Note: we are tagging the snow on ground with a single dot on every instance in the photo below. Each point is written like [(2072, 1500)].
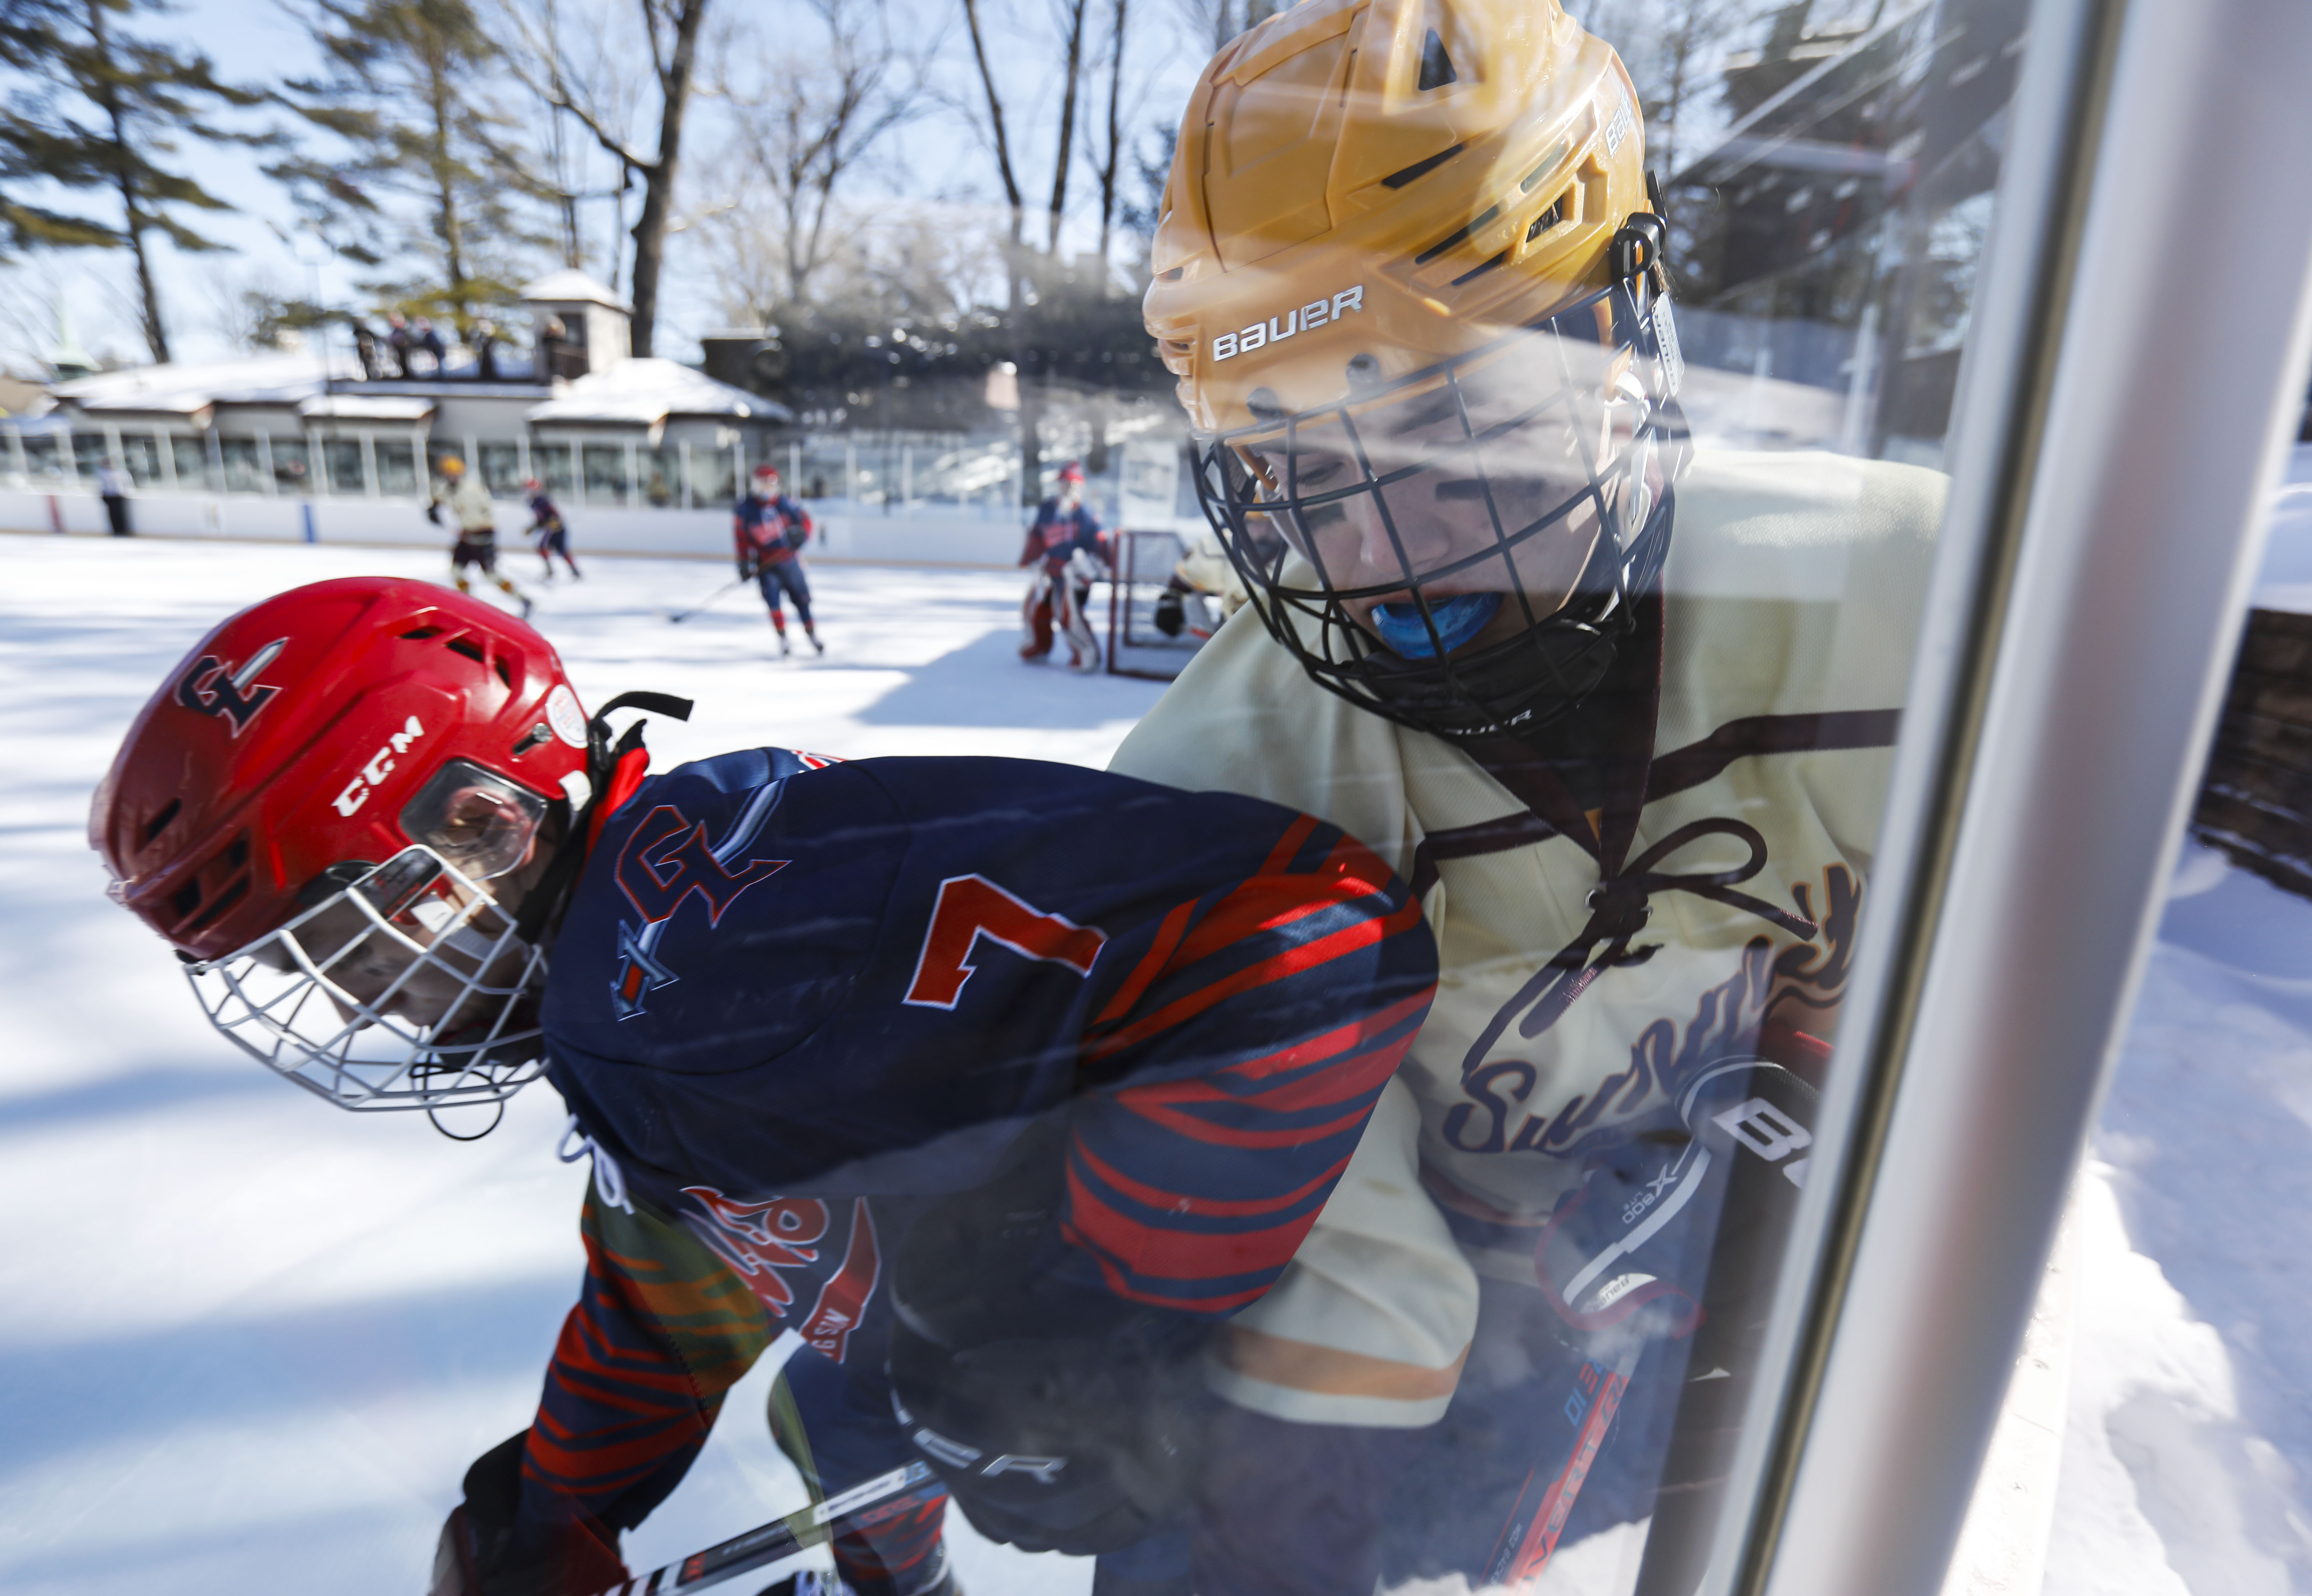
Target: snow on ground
[(250, 1343), (2189, 1448)]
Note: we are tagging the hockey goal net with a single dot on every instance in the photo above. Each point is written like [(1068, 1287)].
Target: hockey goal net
[(1153, 629)]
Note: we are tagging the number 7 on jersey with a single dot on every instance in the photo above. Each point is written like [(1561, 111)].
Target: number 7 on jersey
[(971, 906)]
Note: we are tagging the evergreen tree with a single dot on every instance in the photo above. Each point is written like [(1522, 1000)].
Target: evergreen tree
[(93, 108), (408, 86)]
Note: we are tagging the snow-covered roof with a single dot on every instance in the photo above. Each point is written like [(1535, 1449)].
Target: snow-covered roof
[(184, 387), (363, 407), (570, 285), (646, 392)]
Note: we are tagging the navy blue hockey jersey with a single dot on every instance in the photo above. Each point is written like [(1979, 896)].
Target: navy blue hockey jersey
[(788, 992)]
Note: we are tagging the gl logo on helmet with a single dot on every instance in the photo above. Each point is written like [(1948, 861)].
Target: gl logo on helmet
[(213, 687), (1316, 314)]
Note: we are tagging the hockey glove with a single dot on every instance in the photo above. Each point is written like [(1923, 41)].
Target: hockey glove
[(487, 1551), (1060, 1417), (1686, 1220)]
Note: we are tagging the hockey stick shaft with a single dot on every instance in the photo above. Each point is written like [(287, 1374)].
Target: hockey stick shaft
[(1531, 1541), (681, 616), (780, 1538)]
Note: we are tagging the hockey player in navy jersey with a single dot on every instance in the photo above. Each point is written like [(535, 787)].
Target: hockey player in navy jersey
[(998, 1084), (768, 532)]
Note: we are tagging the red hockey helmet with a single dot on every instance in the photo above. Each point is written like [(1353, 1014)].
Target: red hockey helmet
[(318, 793), (1073, 471), (766, 473)]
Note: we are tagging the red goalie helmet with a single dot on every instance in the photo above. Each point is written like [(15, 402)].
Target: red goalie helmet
[(310, 810)]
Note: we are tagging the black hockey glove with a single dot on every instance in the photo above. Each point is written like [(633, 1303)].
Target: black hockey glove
[(1171, 613), (434, 513), (486, 1551), (1061, 1418), (746, 570)]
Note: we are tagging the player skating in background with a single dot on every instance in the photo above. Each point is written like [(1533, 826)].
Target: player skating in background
[(553, 535), (467, 499), (768, 532), (1063, 548), (1624, 717), (998, 1082)]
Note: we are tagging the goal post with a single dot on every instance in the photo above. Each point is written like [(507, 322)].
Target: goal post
[(1154, 627)]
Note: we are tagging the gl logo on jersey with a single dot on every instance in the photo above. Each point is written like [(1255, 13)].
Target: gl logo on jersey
[(666, 859), (213, 687), (1314, 314)]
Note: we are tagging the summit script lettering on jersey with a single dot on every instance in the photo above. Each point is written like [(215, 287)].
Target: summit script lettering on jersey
[(1315, 313)]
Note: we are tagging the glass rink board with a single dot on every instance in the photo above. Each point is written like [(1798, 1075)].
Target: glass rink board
[(1491, 965)]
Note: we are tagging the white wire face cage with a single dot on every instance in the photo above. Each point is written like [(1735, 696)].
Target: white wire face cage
[(1380, 534), (406, 988)]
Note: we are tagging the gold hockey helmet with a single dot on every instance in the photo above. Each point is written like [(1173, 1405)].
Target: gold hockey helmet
[(1409, 237)]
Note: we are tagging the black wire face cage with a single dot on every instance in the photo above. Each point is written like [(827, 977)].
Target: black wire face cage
[(1522, 490)]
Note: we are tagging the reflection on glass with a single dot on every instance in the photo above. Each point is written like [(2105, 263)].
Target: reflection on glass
[(605, 465), (1588, 554), (90, 454)]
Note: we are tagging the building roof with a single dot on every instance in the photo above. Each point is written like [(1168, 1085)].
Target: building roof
[(570, 285), (646, 392), (368, 407), (184, 387)]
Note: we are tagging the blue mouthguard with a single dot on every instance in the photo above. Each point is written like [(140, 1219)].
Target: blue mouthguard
[(1457, 619)]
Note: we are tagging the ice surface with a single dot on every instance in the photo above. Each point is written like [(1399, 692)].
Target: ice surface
[(248, 1343)]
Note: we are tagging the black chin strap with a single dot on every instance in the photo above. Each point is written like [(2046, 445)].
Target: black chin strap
[(543, 904)]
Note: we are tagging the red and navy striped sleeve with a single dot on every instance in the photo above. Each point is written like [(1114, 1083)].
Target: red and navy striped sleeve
[(663, 1330), (1233, 1067)]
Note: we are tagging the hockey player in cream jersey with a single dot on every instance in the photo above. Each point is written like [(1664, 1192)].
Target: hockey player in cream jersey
[(1621, 711)]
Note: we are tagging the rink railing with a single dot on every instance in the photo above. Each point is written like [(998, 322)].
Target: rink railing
[(920, 534)]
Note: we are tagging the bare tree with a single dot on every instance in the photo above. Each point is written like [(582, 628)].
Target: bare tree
[(834, 104), (1108, 165), (670, 28), (1222, 20), (1072, 10)]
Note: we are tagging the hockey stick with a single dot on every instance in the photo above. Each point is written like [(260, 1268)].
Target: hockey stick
[(1545, 1503), (780, 1538), (676, 618)]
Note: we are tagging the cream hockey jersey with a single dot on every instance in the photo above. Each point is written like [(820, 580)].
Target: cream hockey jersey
[(1684, 889)]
